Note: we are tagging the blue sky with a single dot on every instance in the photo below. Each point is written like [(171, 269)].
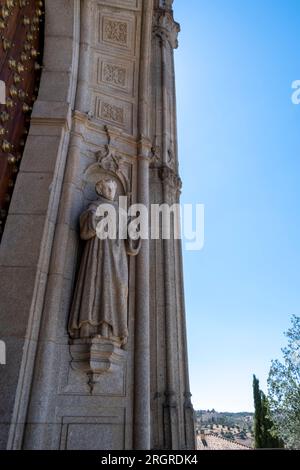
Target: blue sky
[(239, 140)]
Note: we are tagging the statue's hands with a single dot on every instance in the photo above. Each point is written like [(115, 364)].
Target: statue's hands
[(133, 246), (88, 224)]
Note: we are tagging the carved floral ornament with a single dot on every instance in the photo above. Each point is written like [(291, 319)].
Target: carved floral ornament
[(109, 163), (115, 31), (166, 28), (112, 113), (114, 74)]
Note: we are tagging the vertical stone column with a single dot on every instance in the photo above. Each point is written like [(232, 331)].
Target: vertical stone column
[(141, 432), (142, 321), (171, 406)]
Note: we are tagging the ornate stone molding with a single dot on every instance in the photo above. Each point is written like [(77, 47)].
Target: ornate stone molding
[(165, 27), (170, 178), (164, 4), (155, 161), (110, 163), (95, 357), (156, 157), (170, 399), (187, 400)]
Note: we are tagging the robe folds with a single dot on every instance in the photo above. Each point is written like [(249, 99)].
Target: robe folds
[(101, 293)]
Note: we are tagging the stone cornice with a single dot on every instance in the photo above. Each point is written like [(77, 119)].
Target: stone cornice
[(51, 113)]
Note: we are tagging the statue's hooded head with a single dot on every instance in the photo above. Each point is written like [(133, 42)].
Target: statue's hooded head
[(107, 187)]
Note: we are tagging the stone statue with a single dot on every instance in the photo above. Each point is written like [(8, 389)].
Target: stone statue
[(99, 308)]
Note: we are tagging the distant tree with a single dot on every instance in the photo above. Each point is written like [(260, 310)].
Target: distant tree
[(257, 414), (264, 432), (271, 439), (284, 389)]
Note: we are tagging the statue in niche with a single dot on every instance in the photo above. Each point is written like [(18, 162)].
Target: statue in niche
[(99, 309)]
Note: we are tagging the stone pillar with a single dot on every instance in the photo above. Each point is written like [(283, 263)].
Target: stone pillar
[(142, 320), (173, 419), (142, 423)]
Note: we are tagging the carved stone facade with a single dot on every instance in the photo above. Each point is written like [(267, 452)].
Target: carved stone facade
[(114, 74), (106, 103), (115, 31)]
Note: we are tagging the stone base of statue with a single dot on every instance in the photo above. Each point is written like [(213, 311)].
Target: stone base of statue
[(96, 356)]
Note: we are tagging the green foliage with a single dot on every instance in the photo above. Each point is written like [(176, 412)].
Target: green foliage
[(284, 389), (257, 414), (241, 419), (264, 433)]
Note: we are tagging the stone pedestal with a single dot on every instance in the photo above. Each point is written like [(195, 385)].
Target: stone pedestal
[(96, 357)]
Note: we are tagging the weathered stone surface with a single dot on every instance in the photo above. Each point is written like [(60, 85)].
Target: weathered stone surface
[(40, 154), (32, 194), (49, 88), (17, 285), (20, 245), (116, 58)]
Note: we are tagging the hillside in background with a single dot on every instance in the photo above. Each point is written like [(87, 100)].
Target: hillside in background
[(237, 427)]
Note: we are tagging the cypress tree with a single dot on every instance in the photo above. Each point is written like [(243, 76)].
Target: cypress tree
[(257, 414), (264, 437)]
